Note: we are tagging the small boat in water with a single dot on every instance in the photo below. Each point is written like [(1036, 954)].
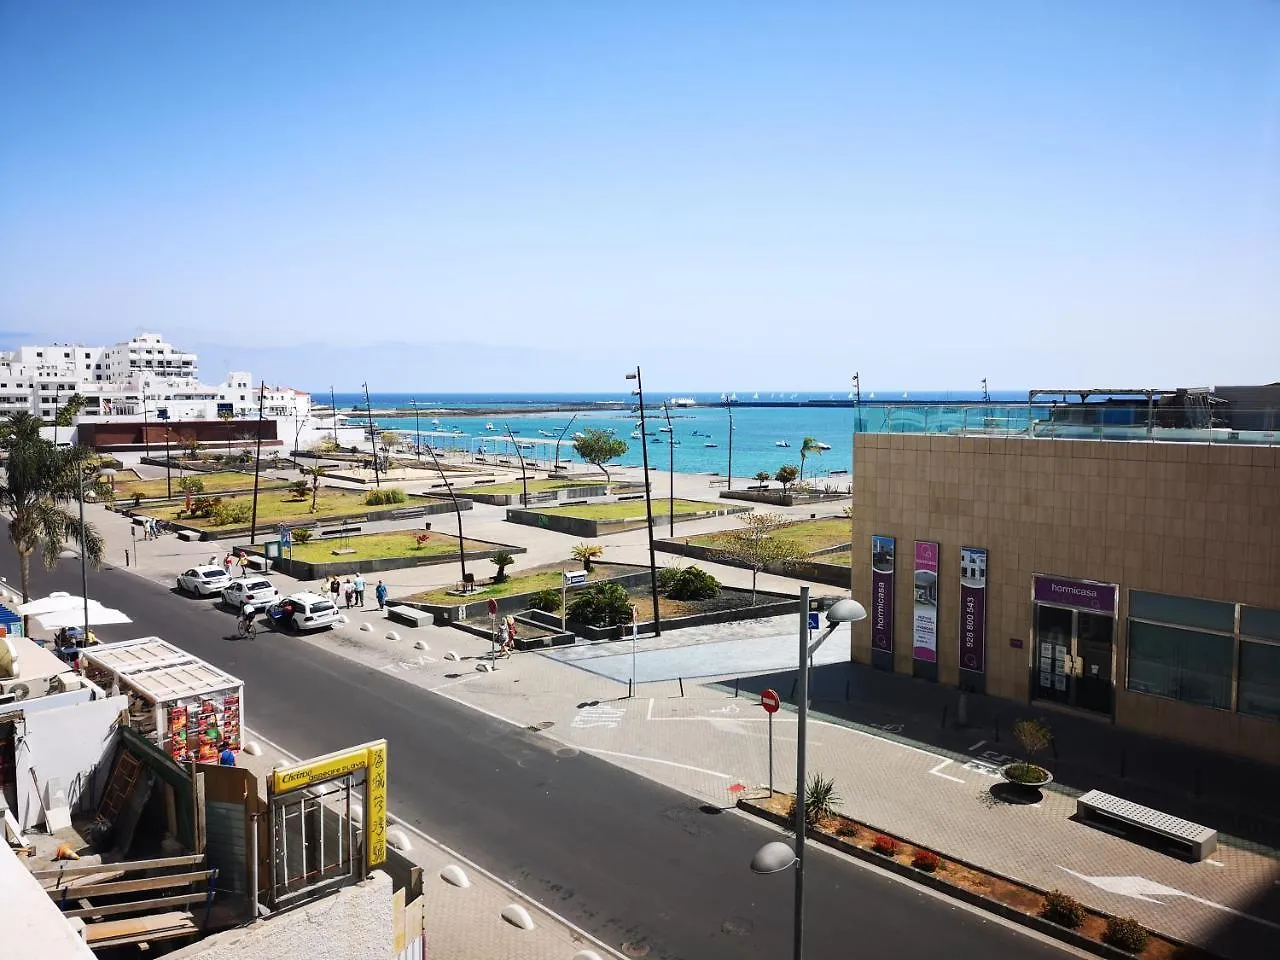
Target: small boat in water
[(488, 426), (781, 443), (664, 429), (579, 436), (711, 444), (824, 446), (635, 434)]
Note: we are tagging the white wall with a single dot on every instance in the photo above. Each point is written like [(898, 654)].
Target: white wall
[(66, 744), (31, 922)]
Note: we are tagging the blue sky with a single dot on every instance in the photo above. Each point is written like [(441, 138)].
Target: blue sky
[(522, 196)]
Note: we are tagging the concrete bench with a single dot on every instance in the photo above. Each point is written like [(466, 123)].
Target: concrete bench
[(336, 531), (634, 496), (188, 535), (1190, 838), (410, 616)]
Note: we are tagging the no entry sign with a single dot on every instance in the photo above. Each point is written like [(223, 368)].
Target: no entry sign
[(493, 606), (770, 701)]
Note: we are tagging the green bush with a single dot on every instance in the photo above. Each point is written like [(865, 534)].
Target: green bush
[(205, 506), (384, 496), (1127, 934), (601, 605), (667, 577), (548, 601), (820, 799), (693, 583), (232, 511), (1064, 910), (302, 534)]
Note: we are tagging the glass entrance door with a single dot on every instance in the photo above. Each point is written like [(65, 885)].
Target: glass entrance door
[(1073, 658), (1054, 631)]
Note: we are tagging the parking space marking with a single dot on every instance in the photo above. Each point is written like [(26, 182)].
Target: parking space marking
[(937, 772), (597, 716), (665, 763)]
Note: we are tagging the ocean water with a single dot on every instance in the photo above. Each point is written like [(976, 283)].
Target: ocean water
[(702, 433)]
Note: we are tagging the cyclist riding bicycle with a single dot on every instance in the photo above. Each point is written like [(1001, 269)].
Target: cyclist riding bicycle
[(246, 618)]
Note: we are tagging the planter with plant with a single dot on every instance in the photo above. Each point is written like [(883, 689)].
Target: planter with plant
[(926, 860), (502, 559), (548, 601), (1033, 736), (885, 846), (586, 554), (1127, 934), (601, 605), (1065, 911)]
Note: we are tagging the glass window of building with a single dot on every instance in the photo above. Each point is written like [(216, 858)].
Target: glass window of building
[(1172, 652), (1259, 679)]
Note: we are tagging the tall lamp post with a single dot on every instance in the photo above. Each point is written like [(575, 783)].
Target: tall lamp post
[(778, 856), (84, 563), (168, 466), (462, 545), (648, 503), (417, 429), (556, 465), (671, 474), (333, 406), (729, 409), (373, 437)]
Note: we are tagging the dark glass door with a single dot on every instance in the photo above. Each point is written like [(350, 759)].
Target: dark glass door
[(1053, 654), (1094, 634)]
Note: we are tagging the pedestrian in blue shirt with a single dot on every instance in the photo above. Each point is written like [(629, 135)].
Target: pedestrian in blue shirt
[(380, 591), (358, 583), (227, 757)]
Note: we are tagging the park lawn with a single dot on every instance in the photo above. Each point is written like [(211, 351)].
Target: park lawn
[(810, 534), (213, 483), (535, 486), (381, 546), (842, 559), (275, 507), (546, 577), (631, 509)]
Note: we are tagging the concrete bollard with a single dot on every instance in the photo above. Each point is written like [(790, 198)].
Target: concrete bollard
[(252, 748), (517, 916), (399, 840), (420, 645), (392, 635), (366, 628), (452, 655), (455, 876)]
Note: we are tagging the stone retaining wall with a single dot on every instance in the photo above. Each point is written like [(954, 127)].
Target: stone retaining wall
[(578, 527)]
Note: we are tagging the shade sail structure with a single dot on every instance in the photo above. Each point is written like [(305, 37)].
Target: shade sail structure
[(54, 603), (98, 616)]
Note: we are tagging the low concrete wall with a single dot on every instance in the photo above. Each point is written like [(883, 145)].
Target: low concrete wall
[(768, 604), (448, 614), (578, 527), (477, 494), (305, 570), (813, 569), (557, 639), (779, 499)]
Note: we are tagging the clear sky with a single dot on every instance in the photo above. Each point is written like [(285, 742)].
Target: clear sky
[(737, 195)]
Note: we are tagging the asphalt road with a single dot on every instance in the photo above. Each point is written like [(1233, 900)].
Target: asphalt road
[(627, 859)]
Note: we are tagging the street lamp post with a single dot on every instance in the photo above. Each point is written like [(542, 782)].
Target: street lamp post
[(462, 544), (729, 408), (556, 465), (373, 437), (777, 856), (84, 564), (671, 474), (333, 406), (417, 429), (648, 503)]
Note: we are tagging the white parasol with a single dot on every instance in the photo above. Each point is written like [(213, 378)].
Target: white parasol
[(75, 617), (55, 602)]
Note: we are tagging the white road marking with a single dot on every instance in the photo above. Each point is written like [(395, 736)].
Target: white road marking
[(1216, 863), (649, 714), (454, 683), (976, 746), (936, 771), (471, 864), (665, 763), (1140, 888)]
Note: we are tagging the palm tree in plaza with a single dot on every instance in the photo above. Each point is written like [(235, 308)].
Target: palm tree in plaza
[(40, 480), (808, 446)]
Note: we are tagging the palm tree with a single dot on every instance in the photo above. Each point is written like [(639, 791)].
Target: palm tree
[(315, 473), (808, 446), (39, 481)]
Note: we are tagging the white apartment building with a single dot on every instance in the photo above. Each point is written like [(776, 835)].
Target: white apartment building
[(143, 378)]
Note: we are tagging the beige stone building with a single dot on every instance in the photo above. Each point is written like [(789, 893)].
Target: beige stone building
[(1137, 582)]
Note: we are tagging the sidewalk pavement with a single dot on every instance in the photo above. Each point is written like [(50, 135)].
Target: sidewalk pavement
[(463, 923)]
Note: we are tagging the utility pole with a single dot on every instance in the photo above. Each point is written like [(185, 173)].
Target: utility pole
[(729, 407), (334, 407), (671, 474), (417, 430), (146, 428), (524, 478), (257, 463), (168, 466), (648, 505), (373, 436)]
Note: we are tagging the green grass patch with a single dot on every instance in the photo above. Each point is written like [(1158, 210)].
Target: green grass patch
[(213, 483), (535, 486), (546, 577), (275, 506), (381, 546), (842, 559), (630, 510), (810, 534)]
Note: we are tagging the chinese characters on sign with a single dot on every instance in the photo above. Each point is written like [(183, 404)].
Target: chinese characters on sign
[(376, 796), (882, 556), (973, 609)]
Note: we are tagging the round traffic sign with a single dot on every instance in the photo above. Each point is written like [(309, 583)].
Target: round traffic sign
[(770, 700), (493, 606)]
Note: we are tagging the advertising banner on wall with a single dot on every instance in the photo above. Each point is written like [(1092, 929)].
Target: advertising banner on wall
[(924, 628), (973, 609), (882, 557), (1080, 594)]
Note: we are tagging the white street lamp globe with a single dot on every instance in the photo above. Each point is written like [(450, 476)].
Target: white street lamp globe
[(845, 610), (773, 857)]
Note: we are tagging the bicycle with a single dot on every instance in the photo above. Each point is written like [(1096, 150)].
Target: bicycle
[(246, 628)]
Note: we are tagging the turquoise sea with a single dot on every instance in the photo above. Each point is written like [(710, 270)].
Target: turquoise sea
[(702, 433)]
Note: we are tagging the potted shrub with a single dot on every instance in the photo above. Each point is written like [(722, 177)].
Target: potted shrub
[(926, 860), (885, 846), (1064, 910), (1033, 736)]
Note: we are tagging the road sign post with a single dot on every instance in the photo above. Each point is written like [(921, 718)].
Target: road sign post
[(771, 702), (635, 633)]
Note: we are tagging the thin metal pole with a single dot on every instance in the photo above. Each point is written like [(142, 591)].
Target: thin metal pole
[(635, 633), (257, 464), (373, 437), (168, 467), (146, 445), (334, 407), (84, 565), (771, 754), (253, 864), (417, 429), (556, 465), (648, 509), (671, 474), (730, 410), (524, 476), (462, 546), (802, 708)]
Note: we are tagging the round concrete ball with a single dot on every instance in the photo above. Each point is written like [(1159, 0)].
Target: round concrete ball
[(517, 916), (398, 839), (456, 876), (392, 635), (420, 645), (366, 627), (252, 748)]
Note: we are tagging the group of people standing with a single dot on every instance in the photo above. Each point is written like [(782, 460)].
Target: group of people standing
[(352, 591)]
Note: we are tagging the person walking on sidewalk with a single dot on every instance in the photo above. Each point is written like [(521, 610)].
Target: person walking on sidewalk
[(348, 592), (334, 588), (227, 561), (358, 583), (380, 591)]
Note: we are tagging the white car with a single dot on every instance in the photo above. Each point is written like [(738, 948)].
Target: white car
[(255, 590), (303, 611), (203, 581)]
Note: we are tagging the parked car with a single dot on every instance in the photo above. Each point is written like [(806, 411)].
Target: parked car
[(203, 581), (255, 590), (303, 611)]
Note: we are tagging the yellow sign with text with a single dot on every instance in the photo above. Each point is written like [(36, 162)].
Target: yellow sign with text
[(375, 797), (329, 767)]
